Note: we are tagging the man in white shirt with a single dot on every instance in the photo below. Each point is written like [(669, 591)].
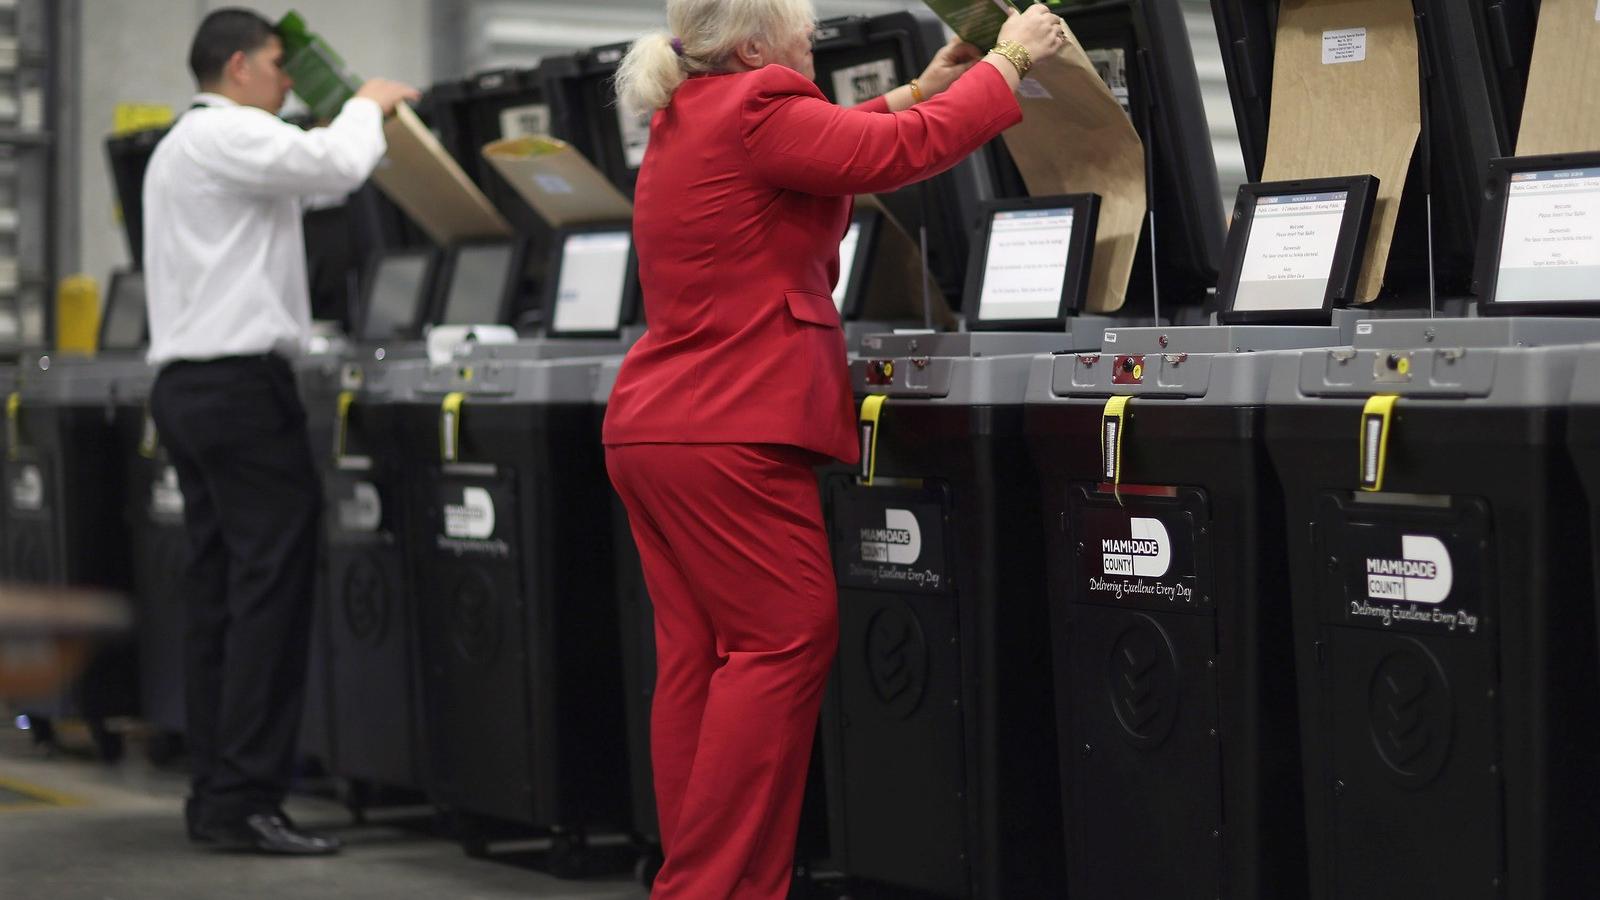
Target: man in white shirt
[(228, 301)]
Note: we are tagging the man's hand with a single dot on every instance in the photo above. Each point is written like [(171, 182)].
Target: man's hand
[(952, 60), (388, 94)]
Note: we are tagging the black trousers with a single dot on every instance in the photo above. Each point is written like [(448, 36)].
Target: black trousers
[(236, 432)]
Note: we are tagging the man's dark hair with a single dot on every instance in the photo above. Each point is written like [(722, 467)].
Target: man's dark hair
[(222, 34)]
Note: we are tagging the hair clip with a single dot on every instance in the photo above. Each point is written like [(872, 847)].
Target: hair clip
[(677, 46)]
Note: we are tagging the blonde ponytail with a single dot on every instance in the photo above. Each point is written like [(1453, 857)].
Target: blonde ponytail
[(649, 73), (704, 35)]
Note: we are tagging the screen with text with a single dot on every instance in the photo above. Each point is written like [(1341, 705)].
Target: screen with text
[(1550, 248), (594, 277), (394, 298), (1288, 255), (847, 264), (477, 285), (1025, 269)]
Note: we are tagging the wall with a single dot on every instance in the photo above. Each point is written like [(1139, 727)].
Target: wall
[(136, 51)]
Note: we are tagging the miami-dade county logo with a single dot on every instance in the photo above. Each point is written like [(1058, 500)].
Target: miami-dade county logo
[(362, 510), (898, 542), (27, 489), (473, 518), (1145, 553), (1422, 574), (166, 498)]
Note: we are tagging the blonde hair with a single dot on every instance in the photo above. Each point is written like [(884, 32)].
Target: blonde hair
[(709, 32)]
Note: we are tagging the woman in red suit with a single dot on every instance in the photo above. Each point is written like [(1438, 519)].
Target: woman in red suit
[(741, 386)]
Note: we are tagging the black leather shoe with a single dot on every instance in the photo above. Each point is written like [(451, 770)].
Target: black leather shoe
[(269, 833)]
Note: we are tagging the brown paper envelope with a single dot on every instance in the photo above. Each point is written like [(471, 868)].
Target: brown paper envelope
[(1561, 113), (1074, 138), (424, 181), (894, 284), (1347, 118), (561, 185)]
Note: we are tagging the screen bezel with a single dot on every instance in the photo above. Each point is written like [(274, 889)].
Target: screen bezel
[(1361, 194), (118, 278), (420, 304), (1491, 235), (552, 282), (1080, 257), (855, 290), (509, 285)]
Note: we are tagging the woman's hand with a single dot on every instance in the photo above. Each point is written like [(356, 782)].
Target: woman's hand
[(952, 60), (1040, 31)]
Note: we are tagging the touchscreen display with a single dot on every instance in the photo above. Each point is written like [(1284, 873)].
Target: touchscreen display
[(395, 296), (125, 313), (1025, 268), (593, 280), (1288, 255), (477, 284), (1550, 246)]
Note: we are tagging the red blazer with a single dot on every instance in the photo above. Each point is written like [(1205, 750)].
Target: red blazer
[(743, 197)]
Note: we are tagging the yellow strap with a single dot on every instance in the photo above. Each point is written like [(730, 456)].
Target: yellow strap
[(341, 429), (149, 439), (871, 409), (1375, 421), (1112, 426), (13, 432), (450, 426)]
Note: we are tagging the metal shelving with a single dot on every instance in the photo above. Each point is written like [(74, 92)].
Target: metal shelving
[(28, 154)]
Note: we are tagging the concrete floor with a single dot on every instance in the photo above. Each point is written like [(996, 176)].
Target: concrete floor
[(116, 833)]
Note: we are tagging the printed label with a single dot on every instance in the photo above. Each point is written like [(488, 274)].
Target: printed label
[(1399, 579), (1345, 45), (525, 121), (1137, 557), (362, 509), (890, 539), (553, 184), (27, 489), (166, 499), (469, 524), (472, 518), (854, 85), (635, 130)]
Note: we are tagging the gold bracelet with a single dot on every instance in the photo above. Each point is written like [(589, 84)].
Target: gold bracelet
[(916, 92), (1017, 55)]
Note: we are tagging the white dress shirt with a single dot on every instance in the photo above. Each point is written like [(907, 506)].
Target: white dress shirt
[(224, 252)]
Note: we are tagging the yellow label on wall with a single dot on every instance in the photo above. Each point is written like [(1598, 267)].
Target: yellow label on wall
[(131, 117), (78, 314)]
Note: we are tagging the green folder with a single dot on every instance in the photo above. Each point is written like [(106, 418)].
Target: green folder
[(321, 77)]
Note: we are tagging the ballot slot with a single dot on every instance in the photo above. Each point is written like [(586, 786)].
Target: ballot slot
[(855, 263), (479, 282), (592, 287), (1030, 262), (1295, 248), (396, 299), (1541, 236), (123, 325)]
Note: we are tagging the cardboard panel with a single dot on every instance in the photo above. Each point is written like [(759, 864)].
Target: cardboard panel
[(421, 177), (1345, 102), (1562, 111), (561, 185)]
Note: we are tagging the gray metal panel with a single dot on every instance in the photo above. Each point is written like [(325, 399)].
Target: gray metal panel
[(1511, 331), (76, 382), (1218, 339), (981, 381), (1586, 380), (1495, 377)]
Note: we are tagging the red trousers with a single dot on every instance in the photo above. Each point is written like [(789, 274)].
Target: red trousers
[(737, 563)]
